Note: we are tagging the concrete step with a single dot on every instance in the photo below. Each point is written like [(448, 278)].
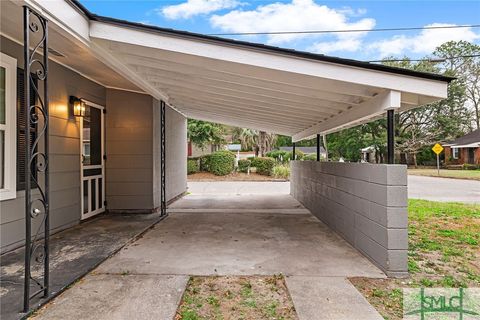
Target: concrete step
[(329, 298)]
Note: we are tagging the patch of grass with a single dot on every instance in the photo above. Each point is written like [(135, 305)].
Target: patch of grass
[(443, 251), (456, 174), (247, 298)]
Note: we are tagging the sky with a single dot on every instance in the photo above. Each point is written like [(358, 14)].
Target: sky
[(233, 16)]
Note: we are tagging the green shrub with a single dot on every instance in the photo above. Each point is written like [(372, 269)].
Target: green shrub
[(205, 162), (298, 154), (222, 162), (254, 161), (310, 157), (264, 165), (244, 164), (280, 156), (281, 171), (192, 165)]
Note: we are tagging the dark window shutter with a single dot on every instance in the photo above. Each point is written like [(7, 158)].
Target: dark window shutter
[(21, 125)]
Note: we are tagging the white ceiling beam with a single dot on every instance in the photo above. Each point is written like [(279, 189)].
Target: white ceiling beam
[(250, 92), (266, 59), (271, 89), (226, 107), (285, 80), (206, 95), (374, 107), (320, 106), (253, 115)]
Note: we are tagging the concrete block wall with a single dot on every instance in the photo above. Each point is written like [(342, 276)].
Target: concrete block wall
[(364, 203)]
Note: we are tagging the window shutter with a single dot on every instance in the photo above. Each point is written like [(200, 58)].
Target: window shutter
[(21, 125)]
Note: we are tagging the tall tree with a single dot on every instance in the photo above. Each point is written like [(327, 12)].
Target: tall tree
[(201, 133), (462, 60)]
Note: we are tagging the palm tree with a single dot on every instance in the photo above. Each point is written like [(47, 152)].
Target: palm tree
[(259, 141)]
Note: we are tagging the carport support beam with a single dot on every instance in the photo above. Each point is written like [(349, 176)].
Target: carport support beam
[(318, 147), (391, 136), (293, 151)]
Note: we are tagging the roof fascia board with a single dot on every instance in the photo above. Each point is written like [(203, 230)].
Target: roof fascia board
[(65, 17), (382, 102), (270, 60)]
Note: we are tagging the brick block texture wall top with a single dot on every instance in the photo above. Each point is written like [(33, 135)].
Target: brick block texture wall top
[(366, 204)]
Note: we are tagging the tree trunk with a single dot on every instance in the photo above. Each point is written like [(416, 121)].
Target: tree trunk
[(324, 138), (415, 160), (262, 143)]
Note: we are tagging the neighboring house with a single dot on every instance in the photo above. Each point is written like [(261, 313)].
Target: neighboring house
[(307, 150), (196, 151), (465, 149)]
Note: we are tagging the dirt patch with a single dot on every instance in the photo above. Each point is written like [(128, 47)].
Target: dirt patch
[(231, 297), (236, 176)]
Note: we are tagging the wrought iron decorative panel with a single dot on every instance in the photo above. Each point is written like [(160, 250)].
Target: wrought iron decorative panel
[(35, 28), (163, 207)]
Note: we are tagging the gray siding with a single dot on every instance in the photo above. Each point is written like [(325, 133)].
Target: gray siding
[(133, 152), (129, 148), (365, 203), (64, 153)]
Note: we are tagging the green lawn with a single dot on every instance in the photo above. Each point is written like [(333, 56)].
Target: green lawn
[(443, 251), (457, 174)]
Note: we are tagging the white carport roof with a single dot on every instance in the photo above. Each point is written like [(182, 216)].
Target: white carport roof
[(249, 85)]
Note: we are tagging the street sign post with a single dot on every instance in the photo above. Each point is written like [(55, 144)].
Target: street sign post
[(437, 148)]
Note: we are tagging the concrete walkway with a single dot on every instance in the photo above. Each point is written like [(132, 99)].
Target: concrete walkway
[(146, 279), (443, 189)]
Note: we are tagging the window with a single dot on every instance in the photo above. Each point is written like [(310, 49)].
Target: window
[(455, 153), (8, 93)]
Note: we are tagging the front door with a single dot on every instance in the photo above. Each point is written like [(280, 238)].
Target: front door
[(92, 162)]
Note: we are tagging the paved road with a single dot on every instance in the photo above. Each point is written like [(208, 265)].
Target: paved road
[(443, 189), (238, 187), (428, 188)]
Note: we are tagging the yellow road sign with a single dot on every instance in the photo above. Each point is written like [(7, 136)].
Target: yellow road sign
[(437, 148)]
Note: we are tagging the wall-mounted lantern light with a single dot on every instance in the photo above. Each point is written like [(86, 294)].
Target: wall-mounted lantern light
[(78, 106)]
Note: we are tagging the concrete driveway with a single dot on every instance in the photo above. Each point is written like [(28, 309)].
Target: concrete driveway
[(443, 189), (246, 235)]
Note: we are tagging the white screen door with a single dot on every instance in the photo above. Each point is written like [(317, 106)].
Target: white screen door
[(92, 162)]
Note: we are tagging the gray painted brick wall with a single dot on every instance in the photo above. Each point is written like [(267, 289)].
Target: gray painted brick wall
[(365, 203)]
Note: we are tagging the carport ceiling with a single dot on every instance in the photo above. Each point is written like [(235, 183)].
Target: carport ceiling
[(249, 85)]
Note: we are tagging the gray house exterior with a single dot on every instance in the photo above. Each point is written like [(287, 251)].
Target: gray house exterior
[(109, 80), (131, 149)]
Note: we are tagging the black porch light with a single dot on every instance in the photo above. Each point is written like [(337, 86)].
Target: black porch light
[(78, 106)]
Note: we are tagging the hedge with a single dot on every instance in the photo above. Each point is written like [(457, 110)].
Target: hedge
[(205, 162), (278, 155), (222, 162), (244, 164), (310, 157), (298, 154), (264, 165), (192, 165)]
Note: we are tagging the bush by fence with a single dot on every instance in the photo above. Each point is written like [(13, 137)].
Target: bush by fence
[(221, 163), (281, 171), (243, 165), (192, 165), (264, 165)]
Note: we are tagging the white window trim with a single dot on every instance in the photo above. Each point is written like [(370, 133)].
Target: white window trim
[(454, 153), (10, 188)]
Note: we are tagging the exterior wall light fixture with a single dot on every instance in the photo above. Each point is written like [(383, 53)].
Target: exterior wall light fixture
[(78, 106)]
